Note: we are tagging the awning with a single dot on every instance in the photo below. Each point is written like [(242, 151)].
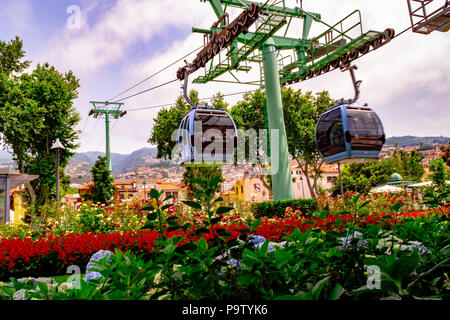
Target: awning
[(424, 184), (387, 189), (15, 179)]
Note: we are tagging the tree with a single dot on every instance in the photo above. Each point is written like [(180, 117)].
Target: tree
[(11, 54), (438, 172), (362, 177), (301, 113), (37, 109), (446, 153), (103, 189), (169, 120)]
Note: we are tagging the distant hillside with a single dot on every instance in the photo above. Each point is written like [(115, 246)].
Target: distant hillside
[(404, 141), (123, 162)]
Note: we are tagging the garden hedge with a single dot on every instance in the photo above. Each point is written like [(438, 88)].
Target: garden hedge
[(277, 208)]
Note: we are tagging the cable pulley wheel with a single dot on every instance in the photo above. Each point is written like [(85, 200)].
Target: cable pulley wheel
[(243, 20), (235, 29), (345, 59), (227, 36), (388, 33), (353, 54), (326, 68), (375, 43), (364, 49), (252, 10), (335, 63)]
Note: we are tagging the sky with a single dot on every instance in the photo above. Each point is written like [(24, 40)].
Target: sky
[(111, 45)]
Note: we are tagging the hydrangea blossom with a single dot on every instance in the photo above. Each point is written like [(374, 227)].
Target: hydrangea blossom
[(94, 275), (346, 241), (415, 244), (256, 239)]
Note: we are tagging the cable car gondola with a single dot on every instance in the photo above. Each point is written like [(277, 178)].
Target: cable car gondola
[(349, 132), (198, 132)]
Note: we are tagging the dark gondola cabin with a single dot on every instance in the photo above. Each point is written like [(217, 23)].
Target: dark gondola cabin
[(206, 137), (349, 133)]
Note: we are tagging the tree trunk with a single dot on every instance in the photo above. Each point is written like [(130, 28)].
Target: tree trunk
[(266, 185), (304, 169)]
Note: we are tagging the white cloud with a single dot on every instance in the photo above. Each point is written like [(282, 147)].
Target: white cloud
[(16, 15)]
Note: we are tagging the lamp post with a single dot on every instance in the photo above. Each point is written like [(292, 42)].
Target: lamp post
[(57, 146), (145, 194)]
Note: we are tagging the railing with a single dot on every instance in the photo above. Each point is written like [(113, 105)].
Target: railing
[(421, 13)]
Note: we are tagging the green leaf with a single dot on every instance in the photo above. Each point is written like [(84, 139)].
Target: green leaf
[(220, 199), (214, 181), (166, 206), (197, 181), (167, 198), (155, 194), (215, 220), (317, 289), (222, 210), (202, 244), (193, 204), (152, 216), (396, 207), (336, 293)]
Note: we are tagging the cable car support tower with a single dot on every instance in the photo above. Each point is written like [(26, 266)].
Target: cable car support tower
[(259, 35), (107, 109)]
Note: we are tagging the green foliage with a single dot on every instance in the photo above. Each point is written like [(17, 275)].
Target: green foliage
[(11, 54), (205, 199), (191, 173), (37, 108), (446, 153), (103, 189), (362, 177), (439, 173), (157, 215), (311, 264), (277, 208)]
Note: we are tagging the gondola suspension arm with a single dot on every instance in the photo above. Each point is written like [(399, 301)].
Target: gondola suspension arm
[(356, 84), (185, 93)]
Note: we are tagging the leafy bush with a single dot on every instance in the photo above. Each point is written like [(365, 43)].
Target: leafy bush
[(277, 208)]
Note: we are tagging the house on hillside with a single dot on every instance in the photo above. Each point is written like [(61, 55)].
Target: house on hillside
[(251, 189), (301, 190), (176, 190), (124, 191)]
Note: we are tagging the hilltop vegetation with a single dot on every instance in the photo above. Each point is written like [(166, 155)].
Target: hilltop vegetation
[(404, 141)]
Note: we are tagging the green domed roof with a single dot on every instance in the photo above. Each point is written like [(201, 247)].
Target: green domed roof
[(395, 177)]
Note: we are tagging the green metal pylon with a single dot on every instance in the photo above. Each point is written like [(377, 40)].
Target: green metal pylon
[(281, 178), (107, 108)]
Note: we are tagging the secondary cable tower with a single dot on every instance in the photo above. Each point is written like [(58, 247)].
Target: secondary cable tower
[(107, 109)]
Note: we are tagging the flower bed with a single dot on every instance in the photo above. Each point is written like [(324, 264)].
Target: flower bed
[(51, 254)]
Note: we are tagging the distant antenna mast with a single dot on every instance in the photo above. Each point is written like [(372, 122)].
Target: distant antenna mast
[(107, 109)]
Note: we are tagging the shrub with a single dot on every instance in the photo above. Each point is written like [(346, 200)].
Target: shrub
[(277, 208)]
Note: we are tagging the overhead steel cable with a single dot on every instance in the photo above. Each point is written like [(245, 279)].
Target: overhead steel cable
[(171, 104), (156, 73), (149, 89)]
